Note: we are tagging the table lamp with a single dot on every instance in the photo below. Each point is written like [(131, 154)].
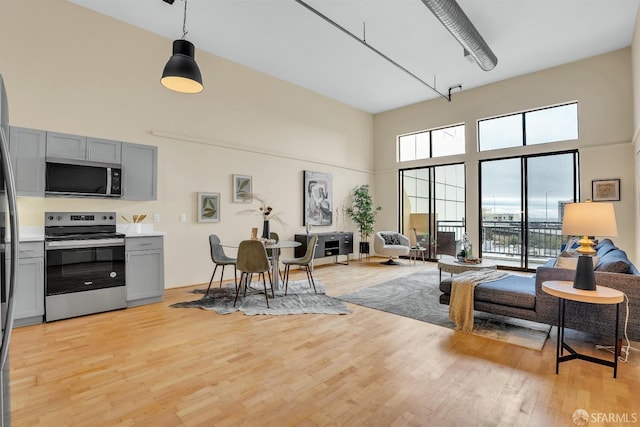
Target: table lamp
[(588, 219)]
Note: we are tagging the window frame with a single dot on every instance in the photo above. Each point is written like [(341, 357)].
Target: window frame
[(523, 121), (430, 136)]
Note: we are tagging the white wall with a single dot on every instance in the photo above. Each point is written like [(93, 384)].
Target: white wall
[(71, 70), (602, 86), (635, 69)]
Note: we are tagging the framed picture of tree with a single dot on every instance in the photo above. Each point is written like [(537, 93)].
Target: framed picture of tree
[(242, 189), (208, 207)]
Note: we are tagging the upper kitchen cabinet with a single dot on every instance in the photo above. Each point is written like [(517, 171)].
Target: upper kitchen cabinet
[(104, 150), (77, 147), (27, 149), (139, 172)]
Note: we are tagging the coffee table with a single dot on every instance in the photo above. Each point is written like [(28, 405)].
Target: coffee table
[(453, 266)]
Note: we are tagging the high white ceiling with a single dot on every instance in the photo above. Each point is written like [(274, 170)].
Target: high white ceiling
[(285, 40)]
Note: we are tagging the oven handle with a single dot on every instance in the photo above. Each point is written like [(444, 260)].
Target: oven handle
[(89, 243)]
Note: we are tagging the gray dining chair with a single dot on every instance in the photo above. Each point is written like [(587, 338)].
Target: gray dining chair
[(252, 259), (219, 258), (304, 262), (276, 237)]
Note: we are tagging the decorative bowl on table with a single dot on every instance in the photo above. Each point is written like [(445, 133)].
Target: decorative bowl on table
[(473, 260)]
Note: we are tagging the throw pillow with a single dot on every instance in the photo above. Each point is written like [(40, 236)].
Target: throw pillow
[(615, 261), (390, 239), (571, 263)]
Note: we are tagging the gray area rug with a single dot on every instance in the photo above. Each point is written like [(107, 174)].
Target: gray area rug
[(417, 296), (300, 299)]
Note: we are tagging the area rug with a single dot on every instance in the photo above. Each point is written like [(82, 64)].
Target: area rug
[(300, 299), (417, 296)]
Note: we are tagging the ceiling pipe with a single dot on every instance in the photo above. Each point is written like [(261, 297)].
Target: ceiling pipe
[(364, 42), (451, 15)]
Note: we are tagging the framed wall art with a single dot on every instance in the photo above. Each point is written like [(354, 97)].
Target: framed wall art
[(242, 189), (318, 194), (208, 207), (605, 190)]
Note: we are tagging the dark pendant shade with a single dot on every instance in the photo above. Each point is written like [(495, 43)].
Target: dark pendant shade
[(181, 74)]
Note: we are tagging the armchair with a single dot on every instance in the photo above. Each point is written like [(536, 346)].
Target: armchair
[(391, 244)]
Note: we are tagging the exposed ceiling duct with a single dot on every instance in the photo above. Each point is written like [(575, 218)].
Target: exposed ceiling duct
[(456, 21)]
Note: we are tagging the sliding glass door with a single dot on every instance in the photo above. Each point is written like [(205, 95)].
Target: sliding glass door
[(522, 201), (432, 207)]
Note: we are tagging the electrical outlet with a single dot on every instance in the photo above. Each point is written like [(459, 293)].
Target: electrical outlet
[(156, 217), (183, 218)]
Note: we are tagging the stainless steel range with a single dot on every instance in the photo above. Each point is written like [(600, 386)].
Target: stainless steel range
[(85, 264)]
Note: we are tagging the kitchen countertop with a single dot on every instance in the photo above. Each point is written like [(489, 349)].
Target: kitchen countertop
[(146, 234), (139, 230), (31, 233)]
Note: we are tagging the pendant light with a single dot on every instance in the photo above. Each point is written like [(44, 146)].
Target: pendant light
[(181, 74)]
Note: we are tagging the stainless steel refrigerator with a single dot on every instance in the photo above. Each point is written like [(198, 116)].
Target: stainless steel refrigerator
[(8, 254)]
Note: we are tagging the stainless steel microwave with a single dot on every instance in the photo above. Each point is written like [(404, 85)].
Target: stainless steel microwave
[(66, 179)]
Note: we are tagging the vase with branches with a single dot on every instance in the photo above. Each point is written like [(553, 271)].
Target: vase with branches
[(265, 211), (363, 213)]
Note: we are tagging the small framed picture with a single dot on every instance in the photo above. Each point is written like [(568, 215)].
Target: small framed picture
[(208, 207), (242, 189), (605, 190)]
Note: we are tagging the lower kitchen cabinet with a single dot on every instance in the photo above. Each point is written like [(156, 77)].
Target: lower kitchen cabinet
[(29, 292), (144, 270)]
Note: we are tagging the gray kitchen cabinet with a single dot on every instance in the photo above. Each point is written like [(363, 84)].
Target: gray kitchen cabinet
[(29, 292), (139, 172), (77, 147), (144, 270), (27, 149), (66, 146), (104, 150)]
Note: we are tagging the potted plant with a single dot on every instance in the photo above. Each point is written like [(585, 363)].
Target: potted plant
[(363, 214)]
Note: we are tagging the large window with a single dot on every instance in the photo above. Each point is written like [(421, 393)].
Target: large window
[(433, 206), (551, 124), (441, 142), (522, 202)]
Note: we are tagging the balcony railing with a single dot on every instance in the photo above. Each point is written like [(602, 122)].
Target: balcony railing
[(504, 240)]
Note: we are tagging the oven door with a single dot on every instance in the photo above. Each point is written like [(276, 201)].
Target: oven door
[(84, 265)]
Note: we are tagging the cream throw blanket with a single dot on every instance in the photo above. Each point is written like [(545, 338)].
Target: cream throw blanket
[(462, 290)]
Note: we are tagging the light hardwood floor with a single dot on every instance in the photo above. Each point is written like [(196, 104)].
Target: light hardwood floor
[(160, 366)]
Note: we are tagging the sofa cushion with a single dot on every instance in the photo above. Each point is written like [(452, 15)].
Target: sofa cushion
[(511, 290)]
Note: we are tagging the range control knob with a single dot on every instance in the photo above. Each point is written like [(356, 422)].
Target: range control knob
[(111, 217), (104, 217), (50, 217), (59, 217)]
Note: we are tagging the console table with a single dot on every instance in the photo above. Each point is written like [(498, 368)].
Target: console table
[(329, 244)]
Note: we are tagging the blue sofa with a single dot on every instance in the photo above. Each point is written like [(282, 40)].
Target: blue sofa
[(523, 297)]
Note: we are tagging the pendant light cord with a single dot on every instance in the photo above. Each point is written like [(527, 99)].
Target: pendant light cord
[(184, 21)]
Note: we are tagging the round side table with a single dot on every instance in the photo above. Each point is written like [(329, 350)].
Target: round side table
[(565, 291)]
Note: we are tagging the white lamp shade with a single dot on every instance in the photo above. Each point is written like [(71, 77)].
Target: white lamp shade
[(589, 219)]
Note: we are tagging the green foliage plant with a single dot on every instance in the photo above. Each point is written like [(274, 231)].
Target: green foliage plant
[(362, 211)]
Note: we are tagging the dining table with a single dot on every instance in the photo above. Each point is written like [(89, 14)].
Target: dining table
[(275, 248)]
